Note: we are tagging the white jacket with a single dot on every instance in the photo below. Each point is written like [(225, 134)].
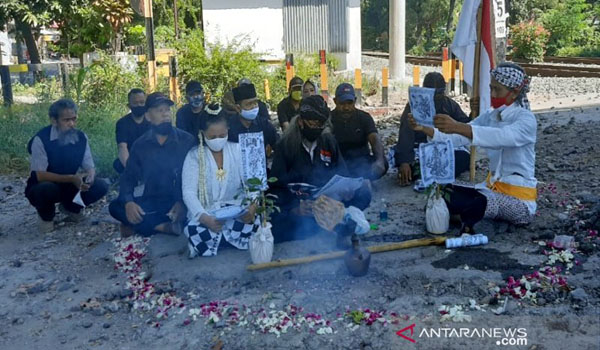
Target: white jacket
[(508, 135)]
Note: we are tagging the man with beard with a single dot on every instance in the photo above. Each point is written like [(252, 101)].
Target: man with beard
[(191, 116), (130, 127), (356, 133), (150, 198), (247, 119), (308, 154), (62, 168)]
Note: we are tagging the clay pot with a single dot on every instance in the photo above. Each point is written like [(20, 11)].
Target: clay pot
[(357, 259)]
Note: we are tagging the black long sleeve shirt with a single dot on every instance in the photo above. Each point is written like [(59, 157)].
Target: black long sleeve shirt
[(157, 167)]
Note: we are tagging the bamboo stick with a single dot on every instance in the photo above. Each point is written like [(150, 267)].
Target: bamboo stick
[(334, 255), (476, 96)]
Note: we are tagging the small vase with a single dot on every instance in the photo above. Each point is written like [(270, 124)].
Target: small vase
[(357, 259)]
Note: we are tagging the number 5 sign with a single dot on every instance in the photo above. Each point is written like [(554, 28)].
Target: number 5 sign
[(500, 14)]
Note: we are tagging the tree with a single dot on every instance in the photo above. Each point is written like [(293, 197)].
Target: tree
[(117, 13), (568, 25)]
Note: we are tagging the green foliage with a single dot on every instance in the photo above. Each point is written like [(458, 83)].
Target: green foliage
[(221, 65), (529, 41), (164, 37), (529, 10), (581, 51), (135, 35), (356, 316), (568, 25), (107, 82), (265, 203)]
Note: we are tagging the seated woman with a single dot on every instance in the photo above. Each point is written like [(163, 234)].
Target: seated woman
[(508, 134), (212, 179), (309, 88)]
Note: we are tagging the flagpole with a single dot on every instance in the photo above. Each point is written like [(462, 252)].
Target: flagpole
[(475, 95)]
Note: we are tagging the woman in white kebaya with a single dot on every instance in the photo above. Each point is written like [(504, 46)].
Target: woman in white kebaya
[(212, 179), (508, 134)]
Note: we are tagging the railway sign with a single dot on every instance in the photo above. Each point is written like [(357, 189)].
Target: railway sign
[(500, 15)]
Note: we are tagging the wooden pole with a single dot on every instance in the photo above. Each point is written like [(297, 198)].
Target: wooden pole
[(150, 56), (334, 255), (385, 74), (476, 95), (358, 85), (324, 77), (416, 76)]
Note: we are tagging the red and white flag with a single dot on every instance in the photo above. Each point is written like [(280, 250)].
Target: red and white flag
[(465, 43)]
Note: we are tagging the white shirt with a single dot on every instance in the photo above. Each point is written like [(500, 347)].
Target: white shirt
[(508, 135), (311, 149), (218, 192)]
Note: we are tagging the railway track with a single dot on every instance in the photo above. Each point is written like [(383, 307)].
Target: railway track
[(566, 67)]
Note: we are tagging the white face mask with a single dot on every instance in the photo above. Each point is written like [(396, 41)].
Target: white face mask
[(216, 145), (249, 114)]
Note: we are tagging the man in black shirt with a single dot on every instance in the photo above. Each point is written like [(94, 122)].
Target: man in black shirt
[(263, 109), (408, 139), (130, 127), (246, 120), (150, 198), (355, 131), (288, 107), (191, 116), (310, 155)]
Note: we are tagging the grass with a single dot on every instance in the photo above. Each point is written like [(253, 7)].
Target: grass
[(22, 121)]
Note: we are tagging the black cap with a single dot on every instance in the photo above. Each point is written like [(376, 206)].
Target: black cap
[(156, 99), (296, 81), (244, 92), (314, 108), (193, 86)]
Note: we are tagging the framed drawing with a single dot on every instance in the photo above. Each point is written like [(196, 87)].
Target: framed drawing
[(254, 161), (422, 106), (437, 162)]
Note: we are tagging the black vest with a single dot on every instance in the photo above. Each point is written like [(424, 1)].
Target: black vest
[(62, 159)]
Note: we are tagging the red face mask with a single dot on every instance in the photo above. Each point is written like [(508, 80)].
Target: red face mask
[(498, 102)]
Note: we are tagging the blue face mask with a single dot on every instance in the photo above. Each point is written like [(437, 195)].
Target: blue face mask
[(249, 114)]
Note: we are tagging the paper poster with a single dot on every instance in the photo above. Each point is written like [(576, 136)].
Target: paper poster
[(254, 161), (437, 162), (421, 104)]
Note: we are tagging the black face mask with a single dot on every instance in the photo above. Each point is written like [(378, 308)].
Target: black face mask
[(138, 111), (311, 134), (163, 128)]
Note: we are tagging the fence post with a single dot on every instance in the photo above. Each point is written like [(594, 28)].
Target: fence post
[(6, 85), (324, 85), (267, 90), (385, 74), (445, 67), (453, 73), (289, 69), (64, 74), (358, 85), (461, 74), (173, 85), (416, 76)]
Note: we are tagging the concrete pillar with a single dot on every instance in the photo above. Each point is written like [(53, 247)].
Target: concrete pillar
[(397, 16)]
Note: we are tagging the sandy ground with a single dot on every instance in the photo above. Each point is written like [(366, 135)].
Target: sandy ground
[(62, 291)]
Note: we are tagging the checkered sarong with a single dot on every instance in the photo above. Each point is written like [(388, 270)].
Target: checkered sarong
[(204, 242)]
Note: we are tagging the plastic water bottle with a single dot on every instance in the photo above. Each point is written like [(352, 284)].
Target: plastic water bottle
[(466, 240), (383, 214)]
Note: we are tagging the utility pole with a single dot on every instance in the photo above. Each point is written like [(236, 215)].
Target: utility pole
[(397, 14), (150, 56), (176, 19)]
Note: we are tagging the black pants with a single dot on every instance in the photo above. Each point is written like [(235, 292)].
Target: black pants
[(118, 166), (466, 202), (156, 213), (44, 195)]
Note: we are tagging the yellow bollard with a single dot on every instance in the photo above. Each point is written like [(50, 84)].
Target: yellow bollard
[(268, 89), (385, 74), (358, 85), (416, 76)]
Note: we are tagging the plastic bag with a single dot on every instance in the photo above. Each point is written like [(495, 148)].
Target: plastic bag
[(78, 200), (261, 245), (437, 216), (362, 225)]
